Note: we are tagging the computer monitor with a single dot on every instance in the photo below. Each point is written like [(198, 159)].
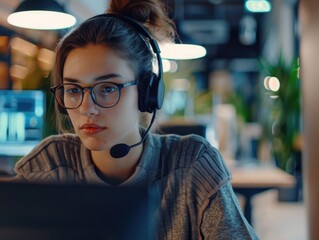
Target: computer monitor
[(60, 212), (182, 128), (21, 120)]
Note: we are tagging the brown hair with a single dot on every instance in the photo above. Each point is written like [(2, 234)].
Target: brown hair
[(119, 35)]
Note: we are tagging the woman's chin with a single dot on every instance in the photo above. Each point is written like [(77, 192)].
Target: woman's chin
[(94, 145), (95, 148)]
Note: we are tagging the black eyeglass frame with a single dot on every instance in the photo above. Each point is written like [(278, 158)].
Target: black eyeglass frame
[(90, 88)]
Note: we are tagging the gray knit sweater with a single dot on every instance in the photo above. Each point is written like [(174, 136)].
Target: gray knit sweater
[(197, 200)]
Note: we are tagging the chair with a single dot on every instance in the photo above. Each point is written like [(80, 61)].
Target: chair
[(182, 128)]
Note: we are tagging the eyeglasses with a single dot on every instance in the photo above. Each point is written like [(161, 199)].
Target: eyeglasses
[(103, 94)]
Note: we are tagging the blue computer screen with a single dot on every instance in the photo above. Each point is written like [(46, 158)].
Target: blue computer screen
[(21, 120)]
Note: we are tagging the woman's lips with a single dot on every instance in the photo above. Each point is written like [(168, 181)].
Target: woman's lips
[(91, 128)]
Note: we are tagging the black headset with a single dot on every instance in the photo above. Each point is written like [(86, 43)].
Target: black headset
[(151, 93)]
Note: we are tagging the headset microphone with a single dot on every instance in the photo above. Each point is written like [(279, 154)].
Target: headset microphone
[(121, 150)]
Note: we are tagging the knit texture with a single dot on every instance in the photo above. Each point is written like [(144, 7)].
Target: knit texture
[(196, 197)]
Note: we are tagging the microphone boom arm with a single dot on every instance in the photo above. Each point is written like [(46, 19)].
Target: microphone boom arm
[(147, 130)]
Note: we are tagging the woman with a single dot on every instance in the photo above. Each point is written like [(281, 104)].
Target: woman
[(102, 77)]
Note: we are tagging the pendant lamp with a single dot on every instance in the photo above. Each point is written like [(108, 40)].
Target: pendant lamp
[(41, 15), (178, 51)]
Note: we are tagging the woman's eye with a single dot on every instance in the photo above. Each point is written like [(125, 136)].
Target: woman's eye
[(108, 89), (73, 90)]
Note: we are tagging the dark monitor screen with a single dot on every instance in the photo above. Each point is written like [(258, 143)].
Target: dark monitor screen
[(38, 211), (21, 120)]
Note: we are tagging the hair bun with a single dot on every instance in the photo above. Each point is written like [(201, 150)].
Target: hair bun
[(151, 13), (138, 10)]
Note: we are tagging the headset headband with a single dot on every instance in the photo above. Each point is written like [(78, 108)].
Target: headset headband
[(151, 96), (141, 29)]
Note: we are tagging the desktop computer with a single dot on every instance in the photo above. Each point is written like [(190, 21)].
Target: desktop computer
[(83, 212), (21, 120)]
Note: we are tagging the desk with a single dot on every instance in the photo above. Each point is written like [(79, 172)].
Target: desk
[(251, 178)]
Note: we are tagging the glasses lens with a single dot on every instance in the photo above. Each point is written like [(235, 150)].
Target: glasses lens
[(106, 94), (69, 95)]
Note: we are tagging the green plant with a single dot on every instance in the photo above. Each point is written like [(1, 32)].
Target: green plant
[(283, 122)]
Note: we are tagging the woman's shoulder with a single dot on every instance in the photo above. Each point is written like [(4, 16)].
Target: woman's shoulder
[(50, 153), (192, 151), (192, 144), (56, 143), (195, 160)]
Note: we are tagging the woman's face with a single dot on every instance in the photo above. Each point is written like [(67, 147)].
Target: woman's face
[(101, 128)]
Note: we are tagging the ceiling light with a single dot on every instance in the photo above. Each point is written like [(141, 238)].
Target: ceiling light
[(258, 5), (181, 51), (41, 15)]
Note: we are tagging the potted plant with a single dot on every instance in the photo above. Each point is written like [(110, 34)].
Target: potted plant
[(283, 121)]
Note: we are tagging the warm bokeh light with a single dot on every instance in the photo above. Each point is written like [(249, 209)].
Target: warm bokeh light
[(45, 58), (266, 81), (169, 66), (272, 83), (166, 65), (24, 46), (17, 71), (180, 84), (174, 66)]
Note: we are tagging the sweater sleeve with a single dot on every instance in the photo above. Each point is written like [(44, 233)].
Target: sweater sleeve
[(55, 159), (214, 202), (223, 217)]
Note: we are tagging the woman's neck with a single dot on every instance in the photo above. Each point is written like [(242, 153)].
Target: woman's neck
[(116, 170)]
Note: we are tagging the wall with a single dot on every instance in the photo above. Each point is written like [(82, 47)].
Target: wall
[(309, 50)]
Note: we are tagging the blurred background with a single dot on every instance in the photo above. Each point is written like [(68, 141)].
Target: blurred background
[(243, 94)]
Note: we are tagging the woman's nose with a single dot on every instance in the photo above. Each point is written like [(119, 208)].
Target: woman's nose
[(88, 107)]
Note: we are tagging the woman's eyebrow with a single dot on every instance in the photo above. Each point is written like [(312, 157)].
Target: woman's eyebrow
[(108, 76), (99, 78), (72, 80)]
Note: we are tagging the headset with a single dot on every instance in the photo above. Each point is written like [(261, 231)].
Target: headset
[(155, 89), (151, 93), (153, 97)]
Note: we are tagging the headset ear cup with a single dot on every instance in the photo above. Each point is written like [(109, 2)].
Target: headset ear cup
[(151, 86), (156, 96), (151, 93), (160, 93), (144, 92)]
